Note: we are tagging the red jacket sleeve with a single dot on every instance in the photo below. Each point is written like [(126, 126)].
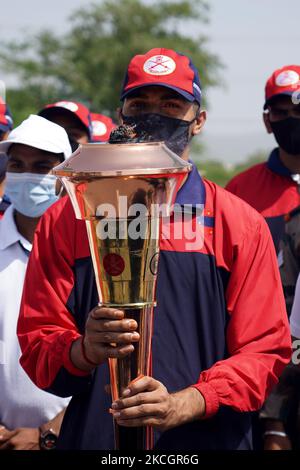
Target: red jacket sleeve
[(232, 186), (46, 344), (239, 185), (258, 337)]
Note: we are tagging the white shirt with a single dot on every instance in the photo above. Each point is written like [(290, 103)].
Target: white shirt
[(22, 404), (295, 315)]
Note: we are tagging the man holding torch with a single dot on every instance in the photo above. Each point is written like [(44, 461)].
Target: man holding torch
[(215, 353)]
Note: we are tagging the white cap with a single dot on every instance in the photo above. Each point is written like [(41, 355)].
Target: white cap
[(40, 133)]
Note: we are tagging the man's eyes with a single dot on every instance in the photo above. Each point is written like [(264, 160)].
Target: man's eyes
[(137, 104), (13, 165), (37, 167), (167, 104), (285, 112), (280, 112)]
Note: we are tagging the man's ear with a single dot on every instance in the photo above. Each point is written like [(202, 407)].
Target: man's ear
[(266, 119), (5, 135), (199, 123), (119, 115)]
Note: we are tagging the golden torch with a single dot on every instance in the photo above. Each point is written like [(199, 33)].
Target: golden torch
[(122, 191)]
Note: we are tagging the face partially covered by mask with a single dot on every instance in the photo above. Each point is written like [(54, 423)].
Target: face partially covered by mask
[(31, 194), (156, 127), (287, 134), (30, 186)]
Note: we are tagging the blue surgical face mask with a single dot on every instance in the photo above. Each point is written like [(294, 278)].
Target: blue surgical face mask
[(31, 193)]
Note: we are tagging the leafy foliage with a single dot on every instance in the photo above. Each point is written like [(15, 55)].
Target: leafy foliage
[(220, 173), (88, 62)]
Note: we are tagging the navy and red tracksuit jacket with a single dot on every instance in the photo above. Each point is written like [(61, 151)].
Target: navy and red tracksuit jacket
[(270, 189), (220, 323)]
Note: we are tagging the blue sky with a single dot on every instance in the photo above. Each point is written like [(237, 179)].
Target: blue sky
[(252, 39)]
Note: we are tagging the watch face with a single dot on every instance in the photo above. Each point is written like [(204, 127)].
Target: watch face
[(48, 440)]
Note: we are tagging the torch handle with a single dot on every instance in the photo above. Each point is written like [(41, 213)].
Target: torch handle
[(126, 370)]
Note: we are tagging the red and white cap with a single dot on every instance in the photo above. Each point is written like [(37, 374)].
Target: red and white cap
[(80, 111), (284, 81), (101, 127), (163, 67)]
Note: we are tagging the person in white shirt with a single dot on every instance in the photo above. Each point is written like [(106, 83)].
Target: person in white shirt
[(30, 418)]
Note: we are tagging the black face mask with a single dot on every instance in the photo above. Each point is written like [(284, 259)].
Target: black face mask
[(174, 132), (287, 134)]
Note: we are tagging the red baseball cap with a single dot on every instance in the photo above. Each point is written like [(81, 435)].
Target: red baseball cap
[(101, 127), (80, 111), (284, 81), (6, 122), (163, 67)]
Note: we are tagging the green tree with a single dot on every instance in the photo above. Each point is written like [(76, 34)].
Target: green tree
[(87, 63), (221, 173)]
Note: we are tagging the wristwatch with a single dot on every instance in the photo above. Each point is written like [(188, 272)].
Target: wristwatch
[(48, 439)]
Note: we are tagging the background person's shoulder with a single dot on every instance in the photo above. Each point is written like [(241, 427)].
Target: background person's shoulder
[(233, 212)]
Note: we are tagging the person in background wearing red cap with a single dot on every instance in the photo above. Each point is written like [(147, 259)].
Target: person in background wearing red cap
[(101, 127), (74, 117), (215, 354), (273, 188)]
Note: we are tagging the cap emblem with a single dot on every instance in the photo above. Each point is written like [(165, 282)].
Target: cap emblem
[(287, 78), (159, 65), (68, 105), (99, 128)]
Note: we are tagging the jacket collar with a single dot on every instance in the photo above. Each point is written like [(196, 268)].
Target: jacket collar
[(192, 193), (275, 164)]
